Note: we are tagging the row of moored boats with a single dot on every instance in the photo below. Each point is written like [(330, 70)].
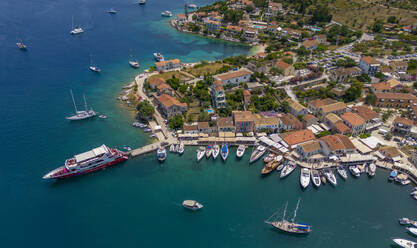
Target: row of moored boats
[(411, 226)]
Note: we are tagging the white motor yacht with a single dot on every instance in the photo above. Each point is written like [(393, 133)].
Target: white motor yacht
[(161, 154), (216, 151), (405, 243), (166, 13), (192, 205), (240, 151), (342, 171), (355, 171), (257, 153), (181, 148), (305, 177), (201, 151), (412, 230), (172, 148), (288, 168), (134, 63), (330, 177), (315, 177)]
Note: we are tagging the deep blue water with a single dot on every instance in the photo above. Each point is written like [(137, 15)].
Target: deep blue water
[(137, 203)]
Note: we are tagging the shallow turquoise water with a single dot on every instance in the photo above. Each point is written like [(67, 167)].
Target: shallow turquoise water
[(138, 203)]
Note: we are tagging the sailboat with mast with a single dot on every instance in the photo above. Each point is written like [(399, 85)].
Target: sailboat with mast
[(93, 67), (81, 114), (77, 29), (21, 45), (288, 226)]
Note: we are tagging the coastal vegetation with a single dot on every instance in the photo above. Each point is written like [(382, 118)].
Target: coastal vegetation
[(145, 110)]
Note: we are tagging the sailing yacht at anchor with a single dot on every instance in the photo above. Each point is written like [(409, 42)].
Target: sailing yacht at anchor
[(81, 114), (77, 29)]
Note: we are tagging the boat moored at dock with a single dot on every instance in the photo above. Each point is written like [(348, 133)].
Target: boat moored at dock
[(288, 168), (269, 167), (209, 151), (95, 159), (161, 154), (201, 151), (405, 243), (355, 171), (224, 152), (330, 176), (181, 148), (158, 57), (257, 153), (240, 151), (269, 157), (216, 151), (393, 175), (341, 170), (371, 170), (412, 230), (305, 177), (315, 177), (192, 205)]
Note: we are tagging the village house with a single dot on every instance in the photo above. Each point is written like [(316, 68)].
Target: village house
[(190, 128), (321, 38), (204, 127), (155, 82), (338, 145), (389, 86), (246, 96), (167, 65), (393, 100), (369, 65), (309, 119), (412, 110), (164, 89), (181, 17), (234, 30), (225, 124), (331, 119), (250, 33), (234, 77), (402, 125), (263, 123), (310, 44), (341, 128), (212, 26), (311, 151), (218, 95), (354, 122), (244, 121), (341, 75), (336, 108), (391, 154), (170, 106), (287, 69), (296, 108), (289, 122), (293, 33), (371, 118), (398, 66), (294, 138), (314, 105)]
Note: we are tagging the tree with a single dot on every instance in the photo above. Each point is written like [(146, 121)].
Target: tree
[(321, 13), (392, 19), (346, 62), (249, 8), (145, 109), (323, 133), (354, 91), (175, 122), (284, 106), (377, 26), (203, 116)]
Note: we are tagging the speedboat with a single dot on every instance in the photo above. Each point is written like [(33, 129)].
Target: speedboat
[(355, 171), (280, 166), (208, 151), (315, 177), (401, 177), (412, 230), (200, 153), (323, 177), (305, 177), (405, 243), (172, 148), (216, 151), (158, 57), (77, 30), (342, 171), (224, 151), (269, 157), (404, 221), (181, 148), (372, 170), (21, 46), (257, 153), (127, 148), (147, 130), (161, 154), (240, 151), (192, 6), (288, 168), (112, 11), (166, 13), (95, 68), (330, 176), (393, 175), (192, 205), (142, 2), (134, 63), (278, 158), (405, 182), (269, 167), (102, 117)]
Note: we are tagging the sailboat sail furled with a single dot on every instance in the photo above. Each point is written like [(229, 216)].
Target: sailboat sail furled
[(81, 114)]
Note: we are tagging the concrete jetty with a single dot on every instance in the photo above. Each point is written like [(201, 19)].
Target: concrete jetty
[(145, 149)]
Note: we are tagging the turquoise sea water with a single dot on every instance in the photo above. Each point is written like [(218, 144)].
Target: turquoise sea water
[(138, 203)]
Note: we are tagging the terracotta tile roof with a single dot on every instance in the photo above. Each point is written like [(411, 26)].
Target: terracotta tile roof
[(333, 107), (295, 105), (353, 119), (289, 53), (218, 85), (297, 137), (311, 146), (382, 86), (340, 127), (395, 96), (404, 121), (165, 62), (246, 93), (308, 117), (242, 116), (333, 118), (234, 28), (337, 142), (282, 65), (261, 120), (310, 43), (317, 103), (155, 81), (390, 151), (261, 55), (169, 101), (180, 16), (369, 60), (365, 112), (234, 74), (191, 127), (203, 125), (224, 122), (163, 86), (291, 120)]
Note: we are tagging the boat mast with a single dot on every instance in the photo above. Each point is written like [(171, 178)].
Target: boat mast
[(285, 210), (85, 103), (295, 211), (72, 25), (73, 101)]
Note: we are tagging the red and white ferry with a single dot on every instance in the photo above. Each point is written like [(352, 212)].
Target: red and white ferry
[(86, 162)]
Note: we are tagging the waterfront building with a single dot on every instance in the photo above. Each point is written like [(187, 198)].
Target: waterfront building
[(233, 30), (371, 118), (369, 65), (218, 95), (170, 106), (225, 124), (181, 17), (402, 125), (155, 81), (354, 122), (164, 89), (311, 151), (287, 69), (391, 154), (289, 122), (204, 127), (244, 121), (338, 145), (190, 128), (263, 123), (234, 77), (167, 65), (294, 138), (296, 108), (212, 26), (394, 100)]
